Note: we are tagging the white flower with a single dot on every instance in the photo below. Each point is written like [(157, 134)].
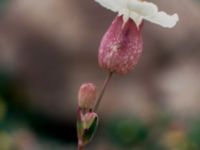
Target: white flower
[(139, 10)]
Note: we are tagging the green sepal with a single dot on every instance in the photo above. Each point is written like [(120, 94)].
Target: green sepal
[(90, 132), (86, 126)]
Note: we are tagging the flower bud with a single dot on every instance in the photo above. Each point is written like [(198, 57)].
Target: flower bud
[(121, 46), (88, 119), (87, 95), (86, 127)]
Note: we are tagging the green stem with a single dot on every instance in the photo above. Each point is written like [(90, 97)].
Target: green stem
[(105, 84)]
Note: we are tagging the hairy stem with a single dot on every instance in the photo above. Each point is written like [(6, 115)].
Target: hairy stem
[(105, 84)]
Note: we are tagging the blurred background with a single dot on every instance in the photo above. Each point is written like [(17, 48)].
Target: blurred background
[(49, 48)]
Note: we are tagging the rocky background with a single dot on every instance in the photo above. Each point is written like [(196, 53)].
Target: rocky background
[(49, 48)]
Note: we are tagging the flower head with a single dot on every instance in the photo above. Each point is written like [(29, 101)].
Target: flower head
[(121, 46), (138, 10), (87, 95)]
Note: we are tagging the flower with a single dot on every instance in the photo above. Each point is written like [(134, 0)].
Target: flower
[(87, 95), (122, 44), (120, 47), (138, 10)]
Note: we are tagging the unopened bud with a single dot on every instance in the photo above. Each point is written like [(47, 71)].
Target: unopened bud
[(86, 127), (87, 95), (121, 46), (88, 119)]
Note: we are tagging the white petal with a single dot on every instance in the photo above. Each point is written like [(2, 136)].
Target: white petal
[(143, 8), (138, 10), (163, 19)]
